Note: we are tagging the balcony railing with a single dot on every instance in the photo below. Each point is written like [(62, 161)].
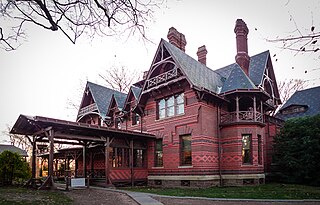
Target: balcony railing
[(242, 116), (162, 78), (87, 109)]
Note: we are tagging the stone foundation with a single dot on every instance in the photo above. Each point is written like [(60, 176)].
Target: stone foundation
[(205, 181)]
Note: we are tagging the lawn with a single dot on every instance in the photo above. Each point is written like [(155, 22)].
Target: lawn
[(267, 191), (19, 195)]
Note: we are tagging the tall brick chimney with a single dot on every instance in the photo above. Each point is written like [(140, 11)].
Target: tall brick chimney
[(242, 57), (202, 54), (176, 38)]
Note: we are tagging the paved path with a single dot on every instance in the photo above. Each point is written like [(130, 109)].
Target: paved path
[(154, 199)]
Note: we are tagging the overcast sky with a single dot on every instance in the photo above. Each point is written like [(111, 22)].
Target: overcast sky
[(46, 71)]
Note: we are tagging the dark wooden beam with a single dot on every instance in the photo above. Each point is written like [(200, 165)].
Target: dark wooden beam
[(84, 165), (131, 162), (107, 166)]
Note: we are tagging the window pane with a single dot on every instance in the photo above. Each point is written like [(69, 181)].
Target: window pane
[(162, 113), (158, 153), (180, 109), (162, 104), (180, 99), (186, 153), (246, 149), (170, 111), (170, 101)]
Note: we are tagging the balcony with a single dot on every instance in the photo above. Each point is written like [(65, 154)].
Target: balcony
[(241, 116), (164, 77), (87, 109)]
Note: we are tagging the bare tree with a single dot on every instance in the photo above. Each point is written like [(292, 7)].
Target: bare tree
[(303, 39), (288, 87), (17, 140), (119, 78), (73, 17)]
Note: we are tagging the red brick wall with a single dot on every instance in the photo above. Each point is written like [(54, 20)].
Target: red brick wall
[(231, 140)]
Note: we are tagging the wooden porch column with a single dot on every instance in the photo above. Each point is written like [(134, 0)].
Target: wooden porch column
[(254, 108), (261, 108), (237, 108), (84, 161), (34, 158), (131, 162), (51, 153), (92, 164), (106, 154), (48, 183)]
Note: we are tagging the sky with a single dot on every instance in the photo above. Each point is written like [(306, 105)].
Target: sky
[(46, 71)]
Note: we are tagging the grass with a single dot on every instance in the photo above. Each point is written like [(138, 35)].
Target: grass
[(19, 195), (267, 191)]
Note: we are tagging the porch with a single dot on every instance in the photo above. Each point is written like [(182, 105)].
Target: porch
[(54, 131)]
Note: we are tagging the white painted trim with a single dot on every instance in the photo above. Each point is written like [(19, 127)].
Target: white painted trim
[(185, 167)]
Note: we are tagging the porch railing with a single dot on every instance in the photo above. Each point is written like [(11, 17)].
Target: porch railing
[(241, 116), (162, 78), (87, 109)]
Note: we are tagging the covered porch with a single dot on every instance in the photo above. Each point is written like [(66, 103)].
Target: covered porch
[(88, 138)]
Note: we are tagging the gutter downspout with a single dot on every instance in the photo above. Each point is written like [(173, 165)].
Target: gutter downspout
[(219, 142)]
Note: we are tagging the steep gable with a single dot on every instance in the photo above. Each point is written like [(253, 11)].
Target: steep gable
[(198, 74), (257, 66), (101, 96), (133, 95)]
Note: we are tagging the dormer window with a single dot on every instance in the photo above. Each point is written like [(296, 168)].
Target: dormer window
[(171, 106), (135, 119), (294, 109)]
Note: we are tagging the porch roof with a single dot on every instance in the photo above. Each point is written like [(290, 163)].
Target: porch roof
[(37, 126)]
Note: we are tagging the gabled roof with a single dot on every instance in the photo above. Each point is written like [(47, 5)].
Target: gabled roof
[(120, 99), (308, 97), (200, 75), (257, 66), (102, 97), (133, 91), (21, 152), (136, 91), (213, 80), (237, 80)]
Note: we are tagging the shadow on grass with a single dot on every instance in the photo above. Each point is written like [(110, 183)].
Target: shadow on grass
[(267, 191), (19, 195)]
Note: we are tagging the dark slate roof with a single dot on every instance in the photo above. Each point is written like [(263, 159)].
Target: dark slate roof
[(120, 99), (308, 97), (102, 96), (257, 66), (199, 74), (136, 91), (237, 80), (213, 80), (4, 147)]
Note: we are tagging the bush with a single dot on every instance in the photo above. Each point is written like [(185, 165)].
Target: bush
[(297, 150), (13, 168)]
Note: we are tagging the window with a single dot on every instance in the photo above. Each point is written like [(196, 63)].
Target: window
[(138, 158), (294, 109), (119, 157), (158, 161), (135, 119), (259, 150), (246, 149), (171, 106), (118, 123), (185, 150), (180, 104)]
